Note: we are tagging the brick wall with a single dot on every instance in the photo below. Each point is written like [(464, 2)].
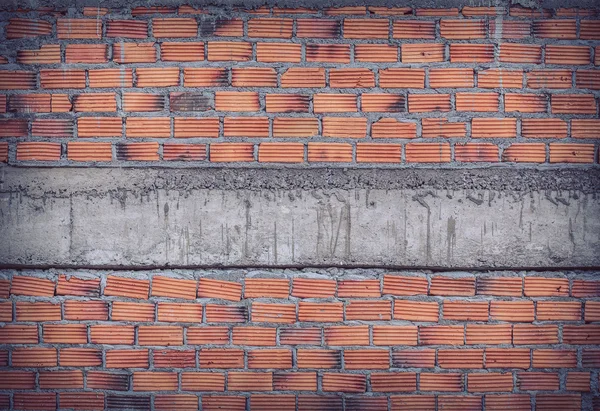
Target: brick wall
[(311, 339), (276, 85)]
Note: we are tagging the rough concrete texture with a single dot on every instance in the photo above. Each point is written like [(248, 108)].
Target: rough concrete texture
[(34, 4), (135, 218)]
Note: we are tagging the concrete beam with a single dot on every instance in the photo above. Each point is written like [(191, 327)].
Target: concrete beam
[(418, 218)]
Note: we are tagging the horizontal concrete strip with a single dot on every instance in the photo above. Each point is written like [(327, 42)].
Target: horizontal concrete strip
[(138, 217)]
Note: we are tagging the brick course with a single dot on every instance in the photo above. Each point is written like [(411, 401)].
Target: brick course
[(310, 339), (181, 85)]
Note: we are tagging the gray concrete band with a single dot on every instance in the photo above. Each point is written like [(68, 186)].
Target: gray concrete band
[(536, 4), (409, 218)]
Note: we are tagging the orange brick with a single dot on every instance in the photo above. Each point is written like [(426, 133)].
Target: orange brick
[(312, 288), (99, 127), (281, 152), (10, 379), (328, 53), (469, 11), (157, 77), (196, 127), (500, 78), (173, 287), (52, 128), (525, 334), (222, 27), (410, 402), (208, 335), (317, 28), (320, 312), (462, 29), (79, 28), (368, 310), (472, 358), (106, 380), (392, 128), (126, 287), (423, 53), (525, 152), (507, 358), (441, 127), (249, 381), (573, 104), (471, 53), (246, 126), (451, 77), (452, 286), (318, 358), (553, 79), (205, 77), (421, 103), (571, 55), (400, 78), (395, 335), (555, 29), (65, 333), (514, 311), (236, 101), (270, 28), (3, 152), (366, 28), (154, 381), (366, 359), (175, 358), (86, 53), (228, 152), (46, 54), (440, 382), (571, 153), (534, 381), (35, 311), (546, 287), (273, 313), (383, 103), (164, 402), (214, 402), (520, 53), (550, 358), (414, 29), (34, 357), (160, 335), (416, 310), (376, 53), (229, 51), (489, 382), (476, 152), (183, 152), (96, 102), (177, 312), (134, 53), (174, 27), (303, 77), (34, 401), (295, 127), (85, 310), (133, 29), (334, 103), (19, 28), (80, 357), (278, 52), (592, 311), (344, 335), (112, 334), (423, 358), (254, 336), (523, 12), (494, 127), (390, 11), (480, 102), (300, 336), (266, 287), (17, 80), (488, 334), (253, 77), (140, 126), (543, 128), (302, 381), (427, 153), (338, 382), (465, 311), (500, 286), (378, 153), (589, 30), (351, 78), (345, 127), (578, 381), (32, 286), (525, 103), (60, 379), (287, 103), (589, 79), (585, 288), (182, 51), (404, 286), (270, 358), (441, 335), (223, 313), (130, 311), (147, 11), (430, 12), (352, 10)]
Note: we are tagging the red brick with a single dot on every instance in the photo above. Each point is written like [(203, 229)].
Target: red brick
[(19, 28), (36, 311)]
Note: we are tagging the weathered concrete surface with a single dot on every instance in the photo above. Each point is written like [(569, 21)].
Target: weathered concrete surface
[(480, 218)]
